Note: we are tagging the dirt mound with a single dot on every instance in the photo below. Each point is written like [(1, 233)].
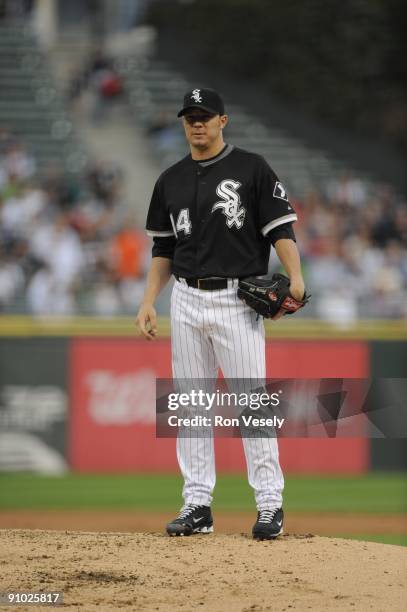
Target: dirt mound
[(216, 573)]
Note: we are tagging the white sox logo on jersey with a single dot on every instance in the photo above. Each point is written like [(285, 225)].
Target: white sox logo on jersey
[(230, 204), (280, 192), (196, 95)]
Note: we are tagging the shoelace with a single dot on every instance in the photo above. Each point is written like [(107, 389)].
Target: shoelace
[(266, 516), (186, 510)]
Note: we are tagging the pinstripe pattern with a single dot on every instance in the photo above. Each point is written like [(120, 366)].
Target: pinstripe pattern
[(212, 329)]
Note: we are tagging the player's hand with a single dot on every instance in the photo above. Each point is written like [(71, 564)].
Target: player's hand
[(146, 321), (297, 289)]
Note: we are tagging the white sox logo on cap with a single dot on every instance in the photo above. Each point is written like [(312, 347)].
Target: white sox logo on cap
[(234, 212), (196, 95), (205, 98)]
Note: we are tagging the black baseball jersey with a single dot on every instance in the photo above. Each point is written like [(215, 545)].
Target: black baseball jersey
[(219, 213)]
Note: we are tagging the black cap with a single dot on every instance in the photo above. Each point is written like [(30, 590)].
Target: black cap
[(207, 99)]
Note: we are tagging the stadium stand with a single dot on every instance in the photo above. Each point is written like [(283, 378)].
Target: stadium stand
[(154, 92), (65, 235), (30, 106)]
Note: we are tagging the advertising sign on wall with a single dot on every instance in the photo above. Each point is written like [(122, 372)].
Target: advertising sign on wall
[(33, 405), (112, 415), (112, 406)]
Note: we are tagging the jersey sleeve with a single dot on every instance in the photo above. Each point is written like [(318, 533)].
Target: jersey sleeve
[(274, 208), (281, 231), (163, 247), (158, 220)]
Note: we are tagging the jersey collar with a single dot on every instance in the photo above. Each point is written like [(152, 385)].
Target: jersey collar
[(227, 149)]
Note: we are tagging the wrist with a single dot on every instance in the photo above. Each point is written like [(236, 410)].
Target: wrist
[(147, 303), (296, 278), (297, 288)]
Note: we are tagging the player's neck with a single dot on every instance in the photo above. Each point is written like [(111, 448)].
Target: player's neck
[(209, 152)]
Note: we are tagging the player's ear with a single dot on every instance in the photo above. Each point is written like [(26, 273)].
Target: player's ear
[(223, 121)]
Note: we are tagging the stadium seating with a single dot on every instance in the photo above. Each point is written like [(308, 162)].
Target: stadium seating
[(155, 87), (30, 105)]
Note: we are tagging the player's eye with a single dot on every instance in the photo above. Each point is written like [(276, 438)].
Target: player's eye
[(191, 119)]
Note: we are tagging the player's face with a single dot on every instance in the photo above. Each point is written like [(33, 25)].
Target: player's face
[(203, 129)]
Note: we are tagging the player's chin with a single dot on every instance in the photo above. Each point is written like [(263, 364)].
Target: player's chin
[(200, 142)]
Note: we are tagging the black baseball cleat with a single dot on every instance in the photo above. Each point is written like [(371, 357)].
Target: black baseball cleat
[(191, 519), (269, 524)]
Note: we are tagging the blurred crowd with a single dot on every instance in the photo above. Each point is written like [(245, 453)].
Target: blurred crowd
[(353, 242), (99, 77), (69, 247), (15, 9), (66, 246)]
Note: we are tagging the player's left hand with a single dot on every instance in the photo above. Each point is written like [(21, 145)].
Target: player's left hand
[(297, 289)]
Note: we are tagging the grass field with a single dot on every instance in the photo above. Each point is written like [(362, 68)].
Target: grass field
[(373, 493), (370, 494)]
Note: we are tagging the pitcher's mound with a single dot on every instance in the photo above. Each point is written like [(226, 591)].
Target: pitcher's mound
[(216, 573)]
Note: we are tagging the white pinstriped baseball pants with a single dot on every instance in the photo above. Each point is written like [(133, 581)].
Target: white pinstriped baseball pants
[(212, 329)]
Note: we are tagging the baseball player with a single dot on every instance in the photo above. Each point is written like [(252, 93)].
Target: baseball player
[(213, 217)]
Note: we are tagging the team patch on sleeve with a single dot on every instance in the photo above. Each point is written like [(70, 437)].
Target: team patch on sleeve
[(280, 192)]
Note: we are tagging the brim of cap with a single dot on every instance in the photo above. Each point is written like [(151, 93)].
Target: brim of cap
[(201, 106)]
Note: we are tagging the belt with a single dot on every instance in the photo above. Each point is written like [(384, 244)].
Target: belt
[(206, 284)]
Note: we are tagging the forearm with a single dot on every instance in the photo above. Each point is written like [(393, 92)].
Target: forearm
[(290, 258), (157, 278)]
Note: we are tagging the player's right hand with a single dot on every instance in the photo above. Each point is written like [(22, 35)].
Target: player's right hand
[(146, 321)]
